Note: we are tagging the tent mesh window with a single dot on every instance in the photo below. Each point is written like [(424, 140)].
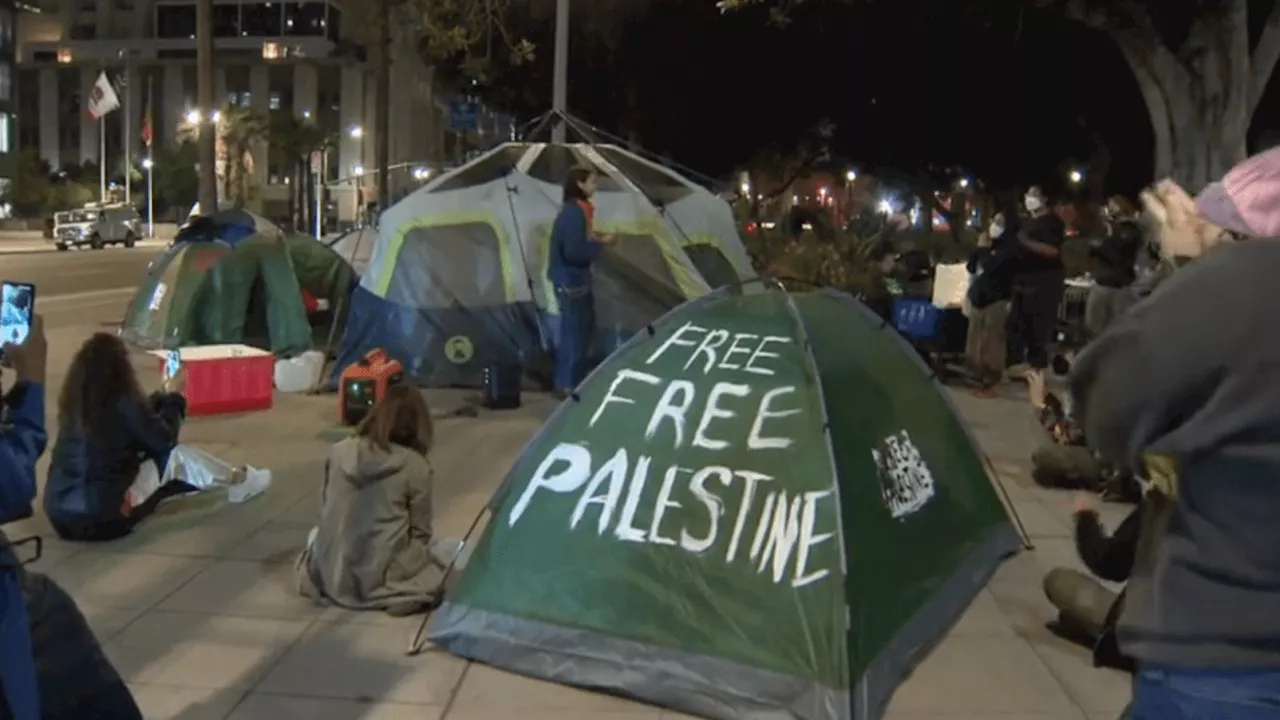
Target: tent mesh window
[(449, 266), (554, 162), (714, 267), (633, 285), (659, 186), (498, 165)]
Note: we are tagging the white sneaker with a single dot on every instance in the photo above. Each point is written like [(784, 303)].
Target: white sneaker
[(256, 481)]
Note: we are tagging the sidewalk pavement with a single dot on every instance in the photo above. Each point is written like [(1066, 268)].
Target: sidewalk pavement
[(199, 614)]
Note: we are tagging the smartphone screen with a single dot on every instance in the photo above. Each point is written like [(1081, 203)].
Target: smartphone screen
[(17, 303), (172, 364)]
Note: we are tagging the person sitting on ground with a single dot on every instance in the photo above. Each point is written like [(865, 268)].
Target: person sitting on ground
[(1087, 610), (372, 549), (108, 429)]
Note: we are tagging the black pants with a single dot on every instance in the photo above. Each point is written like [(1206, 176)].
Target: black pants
[(105, 529), (1034, 317)]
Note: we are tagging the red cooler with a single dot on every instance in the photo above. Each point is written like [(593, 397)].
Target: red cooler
[(225, 378)]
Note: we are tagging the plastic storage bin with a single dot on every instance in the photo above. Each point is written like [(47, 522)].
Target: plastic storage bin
[(225, 378)]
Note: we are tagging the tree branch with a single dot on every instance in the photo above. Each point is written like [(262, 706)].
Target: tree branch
[(1265, 57)]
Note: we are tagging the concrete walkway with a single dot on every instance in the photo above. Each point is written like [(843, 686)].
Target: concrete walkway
[(199, 613)]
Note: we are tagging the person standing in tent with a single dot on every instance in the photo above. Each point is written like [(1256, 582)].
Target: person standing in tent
[(574, 249)]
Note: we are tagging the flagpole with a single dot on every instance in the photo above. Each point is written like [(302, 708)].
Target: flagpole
[(102, 158), (128, 130), (151, 163)]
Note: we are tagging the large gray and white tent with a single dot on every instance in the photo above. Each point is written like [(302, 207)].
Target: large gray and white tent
[(457, 282)]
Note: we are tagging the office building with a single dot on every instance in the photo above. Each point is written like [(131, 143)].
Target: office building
[(300, 57)]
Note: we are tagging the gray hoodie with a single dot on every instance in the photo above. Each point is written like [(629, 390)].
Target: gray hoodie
[(1186, 388), (372, 547)]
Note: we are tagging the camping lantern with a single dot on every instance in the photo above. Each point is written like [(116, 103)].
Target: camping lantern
[(364, 383)]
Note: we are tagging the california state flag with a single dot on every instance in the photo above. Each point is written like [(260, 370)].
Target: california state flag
[(102, 99)]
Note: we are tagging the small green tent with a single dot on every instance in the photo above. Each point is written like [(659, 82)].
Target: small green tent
[(209, 293), (763, 507)]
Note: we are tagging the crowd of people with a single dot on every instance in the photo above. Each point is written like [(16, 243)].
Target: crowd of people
[(1177, 388), (1170, 404), (117, 459)]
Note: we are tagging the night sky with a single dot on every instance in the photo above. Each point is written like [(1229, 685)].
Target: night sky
[(1014, 97)]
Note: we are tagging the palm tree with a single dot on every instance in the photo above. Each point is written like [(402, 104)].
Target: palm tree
[(235, 134), (460, 31), (240, 131), (291, 141)]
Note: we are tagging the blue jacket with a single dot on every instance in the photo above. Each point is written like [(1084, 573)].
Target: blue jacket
[(572, 249), (88, 478), (22, 441)]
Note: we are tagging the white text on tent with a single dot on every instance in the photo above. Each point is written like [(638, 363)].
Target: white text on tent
[(785, 529)]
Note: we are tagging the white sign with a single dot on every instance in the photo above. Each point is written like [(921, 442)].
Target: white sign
[(735, 514), (906, 483), (157, 297)]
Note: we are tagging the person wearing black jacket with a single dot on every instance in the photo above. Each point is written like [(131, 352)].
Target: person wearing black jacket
[(1113, 264), (1087, 610), (107, 429), (990, 265)]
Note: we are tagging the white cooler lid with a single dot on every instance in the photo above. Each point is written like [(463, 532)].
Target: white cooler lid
[(214, 352)]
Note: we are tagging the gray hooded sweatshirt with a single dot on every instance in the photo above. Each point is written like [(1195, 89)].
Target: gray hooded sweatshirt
[(372, 547), (1186, 388)]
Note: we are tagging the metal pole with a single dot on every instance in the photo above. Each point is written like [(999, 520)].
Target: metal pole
[(560, 86), (151, 160), (318, 169), (128, 130), (151, 196), (102, 159)]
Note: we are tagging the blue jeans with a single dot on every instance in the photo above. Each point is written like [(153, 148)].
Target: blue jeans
[(1168, 693), (577, 331)]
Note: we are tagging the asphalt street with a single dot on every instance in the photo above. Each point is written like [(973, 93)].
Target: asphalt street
[(79, 287)]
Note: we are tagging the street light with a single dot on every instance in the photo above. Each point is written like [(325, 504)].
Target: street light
[(147, 163), (851, 175), (193, 117), (885, 207), (358, 170), (1076, 177), (745, 187), (964, 182), (357, 132)]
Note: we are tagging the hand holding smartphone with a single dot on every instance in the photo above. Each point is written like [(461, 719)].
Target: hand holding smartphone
[(17, 306), (175, 377)]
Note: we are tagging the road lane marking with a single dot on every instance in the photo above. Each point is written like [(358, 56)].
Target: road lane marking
[(104, 295)]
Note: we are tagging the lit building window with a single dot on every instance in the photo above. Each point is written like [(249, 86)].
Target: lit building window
[(64, 55), (271, 51)]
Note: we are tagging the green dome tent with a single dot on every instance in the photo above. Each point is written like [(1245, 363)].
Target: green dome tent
[(763, 507), (212, 293)]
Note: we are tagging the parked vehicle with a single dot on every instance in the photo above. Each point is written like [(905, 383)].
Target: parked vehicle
[(97, 227)]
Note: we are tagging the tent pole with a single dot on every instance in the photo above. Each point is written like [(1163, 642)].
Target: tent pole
[(328, 344)]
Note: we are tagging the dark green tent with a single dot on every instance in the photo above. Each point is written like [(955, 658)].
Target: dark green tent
[(764, 507), (211, 293)]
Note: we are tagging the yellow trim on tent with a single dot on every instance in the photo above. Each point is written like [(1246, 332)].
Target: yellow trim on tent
[(653, 228), (382, 282)]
